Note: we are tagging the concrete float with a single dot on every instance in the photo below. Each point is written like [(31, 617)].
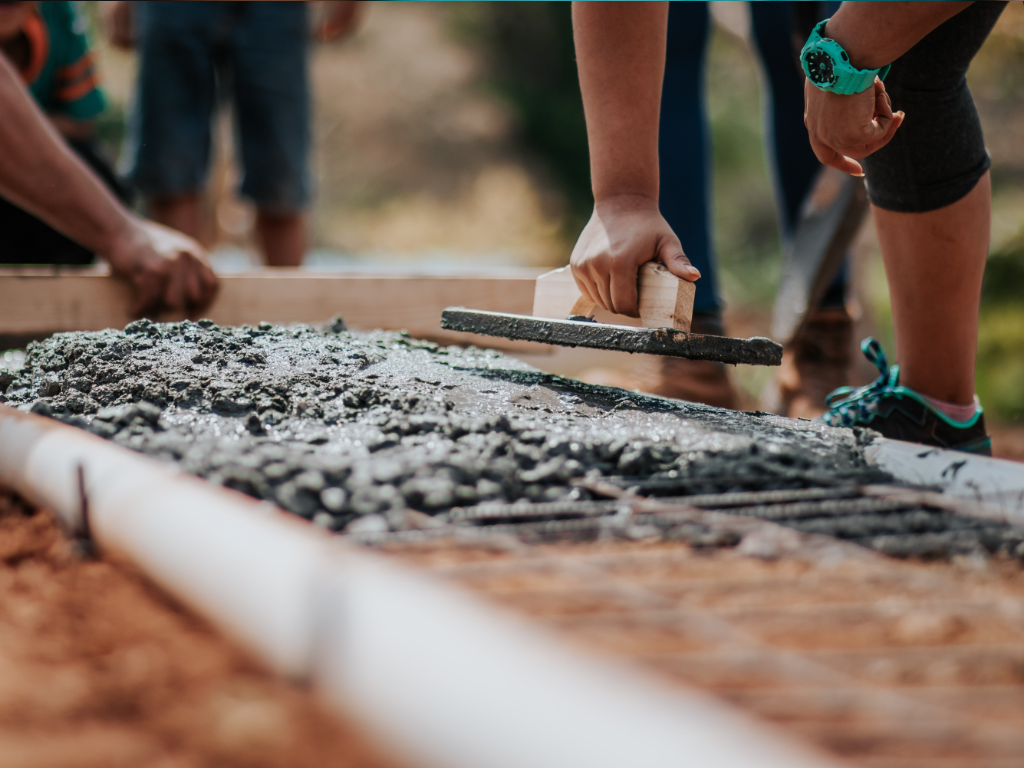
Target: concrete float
[(443, 678)]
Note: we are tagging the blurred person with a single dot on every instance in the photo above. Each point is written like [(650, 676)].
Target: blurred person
[(193, 55), (930, 193), (47, 44), (820, 361), (39, 173)]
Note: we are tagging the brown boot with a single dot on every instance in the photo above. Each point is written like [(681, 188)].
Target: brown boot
[(696, 381), (817, 363)]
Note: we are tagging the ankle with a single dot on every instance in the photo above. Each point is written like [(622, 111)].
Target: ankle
[(953, 411)]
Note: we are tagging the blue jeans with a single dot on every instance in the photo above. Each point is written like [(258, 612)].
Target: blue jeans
[(684, 144), (193, 54)]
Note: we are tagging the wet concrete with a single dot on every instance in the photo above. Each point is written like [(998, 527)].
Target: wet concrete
[(365, 431)]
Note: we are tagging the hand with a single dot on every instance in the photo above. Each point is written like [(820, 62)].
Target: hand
[(843, 129), (167, 270), (340, 20), (117, 21), (623, 234)]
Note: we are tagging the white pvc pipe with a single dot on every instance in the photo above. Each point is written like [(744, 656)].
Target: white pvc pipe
[(446, 679), (994, 482), (460, 685), (245, 566)]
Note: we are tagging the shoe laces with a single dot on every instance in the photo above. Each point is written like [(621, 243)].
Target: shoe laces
[(850, 406)]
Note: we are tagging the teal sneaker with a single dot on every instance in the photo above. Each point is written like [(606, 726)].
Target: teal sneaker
[(901, 413)]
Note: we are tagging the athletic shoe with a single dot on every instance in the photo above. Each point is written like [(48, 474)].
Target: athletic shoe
[(901, 413)]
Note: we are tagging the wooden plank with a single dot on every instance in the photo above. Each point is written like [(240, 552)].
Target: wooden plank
[(42, 301)]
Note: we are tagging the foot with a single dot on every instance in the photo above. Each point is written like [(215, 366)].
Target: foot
[(901, 413), (817, 363), (696, 381)]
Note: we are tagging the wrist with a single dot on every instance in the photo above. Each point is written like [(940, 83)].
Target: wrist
[(119, 240), (829, 67), (862, 54), (626, 201)]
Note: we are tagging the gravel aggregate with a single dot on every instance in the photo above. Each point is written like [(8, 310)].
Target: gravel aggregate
[(376, 432), (336, 425)]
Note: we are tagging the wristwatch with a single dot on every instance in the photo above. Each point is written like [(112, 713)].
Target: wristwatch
[(828, 66)]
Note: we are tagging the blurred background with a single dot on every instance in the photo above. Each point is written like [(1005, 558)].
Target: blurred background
[(451, 136)]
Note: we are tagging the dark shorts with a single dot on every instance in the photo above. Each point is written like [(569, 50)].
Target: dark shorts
[(192, 55), (938, 155)]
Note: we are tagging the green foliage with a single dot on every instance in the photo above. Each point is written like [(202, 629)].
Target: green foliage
[(1000, 366), (531, 64), (746, 230)]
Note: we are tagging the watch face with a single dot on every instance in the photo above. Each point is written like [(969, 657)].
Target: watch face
[(820, 67)]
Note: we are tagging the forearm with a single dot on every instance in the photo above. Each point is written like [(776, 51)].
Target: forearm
[(40, 174), (878, 33), (620, 52)]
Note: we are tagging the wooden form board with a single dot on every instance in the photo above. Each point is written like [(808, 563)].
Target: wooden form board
[(42, 301)]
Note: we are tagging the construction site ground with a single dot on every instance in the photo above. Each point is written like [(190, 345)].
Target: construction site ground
[(878, 662), (100, 669)]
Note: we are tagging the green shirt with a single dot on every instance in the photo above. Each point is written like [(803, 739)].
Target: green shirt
[(61, 73)]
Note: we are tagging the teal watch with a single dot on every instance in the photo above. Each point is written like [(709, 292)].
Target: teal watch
[(828, 66)]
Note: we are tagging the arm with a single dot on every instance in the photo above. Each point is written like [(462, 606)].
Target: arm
[(620, 51), (40, 174), (843, 129)]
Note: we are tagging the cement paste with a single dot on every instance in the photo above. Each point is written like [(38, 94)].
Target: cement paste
[(354, 429)]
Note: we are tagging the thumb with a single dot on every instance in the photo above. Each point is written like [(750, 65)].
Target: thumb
[(670, 253)]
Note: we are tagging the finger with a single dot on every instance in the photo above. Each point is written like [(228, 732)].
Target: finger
[(833, 159), (622, 291), (148, 289), (672, 256), (211, 286), (624, 298), (174, 295), (883, 107), (828, 156), (193, 286), (897, 121), (601, 292), (583, 282)]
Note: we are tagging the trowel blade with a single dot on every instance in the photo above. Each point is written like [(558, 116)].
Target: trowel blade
[(620, 338), (830, 220)]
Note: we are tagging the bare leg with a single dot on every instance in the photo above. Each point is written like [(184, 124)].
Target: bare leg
[(282, 238), (934, 262), (181, 212)]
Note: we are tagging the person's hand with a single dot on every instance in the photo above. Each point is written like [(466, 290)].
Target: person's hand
[(623, 234), (117, 21), (340, 19), (167, 270), (844, 129)]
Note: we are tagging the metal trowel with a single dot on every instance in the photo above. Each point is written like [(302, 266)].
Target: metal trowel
[(562, 316)]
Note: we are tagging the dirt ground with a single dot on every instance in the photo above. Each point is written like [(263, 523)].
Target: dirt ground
[(877, 661), (97, 668)]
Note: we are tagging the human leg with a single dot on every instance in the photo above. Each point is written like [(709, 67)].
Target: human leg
[(931, 198), (167, 149), (268, 55), (684, 147), (282, 237), (819, 360), (934, 263), (181, 212)]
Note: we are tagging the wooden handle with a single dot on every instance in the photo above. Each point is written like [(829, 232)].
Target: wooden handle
[(666, 301)]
